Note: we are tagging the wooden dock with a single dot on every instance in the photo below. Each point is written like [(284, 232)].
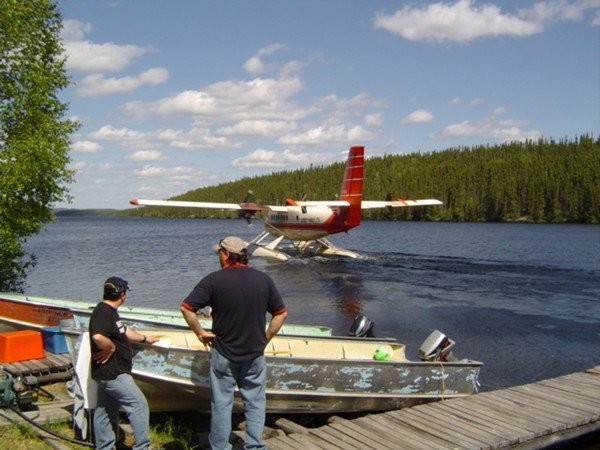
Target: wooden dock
[(51, 369), (531, 416)]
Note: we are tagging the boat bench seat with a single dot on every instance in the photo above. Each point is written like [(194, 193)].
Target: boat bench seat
[(317, 349), (185, 340), (290, 347)]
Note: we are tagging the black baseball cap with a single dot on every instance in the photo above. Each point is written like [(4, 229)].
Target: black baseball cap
[(114, 286)]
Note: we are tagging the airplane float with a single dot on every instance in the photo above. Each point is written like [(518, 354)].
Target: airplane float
[(306, 224)]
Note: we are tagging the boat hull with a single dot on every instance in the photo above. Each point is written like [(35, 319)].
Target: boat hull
[(177, 379), (17, 314)]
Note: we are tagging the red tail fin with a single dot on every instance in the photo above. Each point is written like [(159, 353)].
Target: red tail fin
[(352, 185)]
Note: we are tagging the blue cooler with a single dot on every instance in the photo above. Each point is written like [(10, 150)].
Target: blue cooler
[(54, 340)]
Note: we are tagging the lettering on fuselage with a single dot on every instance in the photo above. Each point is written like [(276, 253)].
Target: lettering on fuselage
[(295, 216), (285, 218), (308, 220)]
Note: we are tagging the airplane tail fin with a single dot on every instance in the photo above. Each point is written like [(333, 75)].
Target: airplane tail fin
[(352, 185)]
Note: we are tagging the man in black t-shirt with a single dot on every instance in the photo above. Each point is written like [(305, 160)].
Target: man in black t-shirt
[(240, 298), (111, 369)]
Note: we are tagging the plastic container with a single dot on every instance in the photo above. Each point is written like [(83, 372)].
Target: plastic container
[(21, 345), (54, 340)]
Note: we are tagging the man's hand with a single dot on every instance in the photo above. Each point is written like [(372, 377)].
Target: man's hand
[(275, 325), (105, 347), (206, 337), (151, 339)]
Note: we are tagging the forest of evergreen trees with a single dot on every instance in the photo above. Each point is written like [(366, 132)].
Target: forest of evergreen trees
[(542, 181)]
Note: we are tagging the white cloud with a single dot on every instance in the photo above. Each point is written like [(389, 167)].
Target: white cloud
[(79, 165), (146, 155), (106, 57), (257, 128), (255, 65), (150, 171), (473, 102), (192, 139), (184, 173), (110, 133), (291, 69), (198, 138), (173, 182), (459, 22), (98, 59), (490, 128), (97, 85), (260, 98), (75, 30), (373, 120), (323, 135), (86, 147), (271, 159), (260, 158), (561, 11), (177, 175), (225, 114), (418, 116), (345, 107)]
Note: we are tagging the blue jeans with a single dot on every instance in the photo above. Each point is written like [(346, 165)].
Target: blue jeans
[(112, 394), (250, 377)]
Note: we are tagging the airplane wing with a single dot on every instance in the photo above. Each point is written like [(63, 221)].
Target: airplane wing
[(370, 204), (211, 205), (366, 204)]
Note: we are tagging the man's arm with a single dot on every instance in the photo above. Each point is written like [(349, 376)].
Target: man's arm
[(134, 336), (105, 346), (275, 325), (191, 318)]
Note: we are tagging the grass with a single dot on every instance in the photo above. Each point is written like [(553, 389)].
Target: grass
[(167, 436), (167, 431)]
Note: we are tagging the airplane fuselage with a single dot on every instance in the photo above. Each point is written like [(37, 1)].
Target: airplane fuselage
[(306, 223)]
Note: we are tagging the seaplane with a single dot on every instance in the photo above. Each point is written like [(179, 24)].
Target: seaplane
[(305, 223)]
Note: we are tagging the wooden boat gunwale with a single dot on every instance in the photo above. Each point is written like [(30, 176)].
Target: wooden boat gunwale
[(139, 316)]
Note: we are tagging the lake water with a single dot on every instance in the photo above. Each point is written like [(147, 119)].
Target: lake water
[(522, 298)]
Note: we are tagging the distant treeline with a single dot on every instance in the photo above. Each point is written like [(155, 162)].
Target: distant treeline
[(86, 212), (542, 181)]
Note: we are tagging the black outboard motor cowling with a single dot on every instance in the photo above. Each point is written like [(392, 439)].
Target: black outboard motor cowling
[(361, 327)]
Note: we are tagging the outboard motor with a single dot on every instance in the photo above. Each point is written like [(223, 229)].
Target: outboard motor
[(361, 327), (437, 347)]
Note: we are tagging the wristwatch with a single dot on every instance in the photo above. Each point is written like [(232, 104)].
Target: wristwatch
[(144, 340)]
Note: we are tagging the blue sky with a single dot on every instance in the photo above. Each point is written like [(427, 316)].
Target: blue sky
[(176, 95)]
